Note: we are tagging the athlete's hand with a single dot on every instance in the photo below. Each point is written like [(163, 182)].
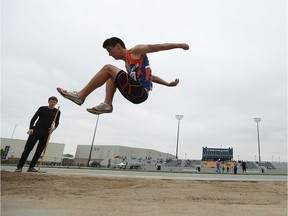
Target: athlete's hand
[(185, 46), (173, 83), (30, 132), (51, 130)]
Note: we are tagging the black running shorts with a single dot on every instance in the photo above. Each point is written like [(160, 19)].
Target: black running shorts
[(130, 89)]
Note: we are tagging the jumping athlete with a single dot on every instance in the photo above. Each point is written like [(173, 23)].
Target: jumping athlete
[(134, 85)]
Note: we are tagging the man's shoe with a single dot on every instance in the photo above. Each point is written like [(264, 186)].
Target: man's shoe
[(101, 108), (32, 170), (18, 170), (71, 95)]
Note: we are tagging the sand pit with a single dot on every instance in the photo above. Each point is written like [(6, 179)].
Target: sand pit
[(83, 195)]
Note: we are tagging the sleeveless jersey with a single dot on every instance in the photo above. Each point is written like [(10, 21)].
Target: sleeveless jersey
[(140, 71)]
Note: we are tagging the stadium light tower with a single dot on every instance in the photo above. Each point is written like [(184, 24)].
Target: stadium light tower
[(178, 117), (89, 158), (257, 120)]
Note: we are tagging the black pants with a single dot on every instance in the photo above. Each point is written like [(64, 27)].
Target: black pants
[(130, 89), (40, 135)]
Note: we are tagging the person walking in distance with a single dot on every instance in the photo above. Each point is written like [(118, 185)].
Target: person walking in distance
[(40, 132), (218, 166), (134, 85)]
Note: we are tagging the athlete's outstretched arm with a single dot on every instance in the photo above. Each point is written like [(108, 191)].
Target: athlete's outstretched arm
[(160, 81), (142, 50)]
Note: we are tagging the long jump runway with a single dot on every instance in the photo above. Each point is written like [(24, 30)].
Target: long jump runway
[(162, 175)]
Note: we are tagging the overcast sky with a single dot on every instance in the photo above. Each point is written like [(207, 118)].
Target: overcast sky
[(235, 70)]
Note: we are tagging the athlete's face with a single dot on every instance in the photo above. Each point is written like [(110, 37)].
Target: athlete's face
[(114, 51)]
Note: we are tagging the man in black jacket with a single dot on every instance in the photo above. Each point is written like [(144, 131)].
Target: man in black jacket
[(40, 132)]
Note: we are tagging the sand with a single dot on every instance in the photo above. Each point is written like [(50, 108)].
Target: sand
[(55, 194)]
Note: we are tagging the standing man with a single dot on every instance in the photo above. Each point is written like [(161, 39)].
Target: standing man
[(235, 167), (134, 85), (244, 167), (40, 132)]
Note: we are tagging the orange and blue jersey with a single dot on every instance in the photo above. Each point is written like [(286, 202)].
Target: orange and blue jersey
[(140, 71)]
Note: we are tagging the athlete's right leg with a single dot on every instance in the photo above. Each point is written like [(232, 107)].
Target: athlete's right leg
[(107, 73)]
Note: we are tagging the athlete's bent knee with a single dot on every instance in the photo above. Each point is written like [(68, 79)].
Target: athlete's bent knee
[(110, 68)]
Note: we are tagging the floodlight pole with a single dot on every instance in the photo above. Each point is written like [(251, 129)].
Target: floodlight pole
[(178, 117), (13, 131), (257, 120), (89, 158)]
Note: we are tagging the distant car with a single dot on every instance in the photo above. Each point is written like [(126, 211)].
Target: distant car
[(135, 166), (95, 164)]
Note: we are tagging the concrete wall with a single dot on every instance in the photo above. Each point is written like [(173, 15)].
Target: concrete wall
[(54, 151)]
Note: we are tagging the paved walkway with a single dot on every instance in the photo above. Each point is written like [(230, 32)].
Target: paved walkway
[(162, 175)]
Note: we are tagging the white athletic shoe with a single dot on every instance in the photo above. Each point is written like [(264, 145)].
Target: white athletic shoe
[(71, 95), (101, 108)]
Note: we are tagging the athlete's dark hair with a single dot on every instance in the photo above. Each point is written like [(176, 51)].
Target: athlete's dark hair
[(53, 98), (112, 42)]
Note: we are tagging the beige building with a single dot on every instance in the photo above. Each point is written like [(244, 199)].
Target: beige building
[(102, 154), (13, 149), (108, 154)]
